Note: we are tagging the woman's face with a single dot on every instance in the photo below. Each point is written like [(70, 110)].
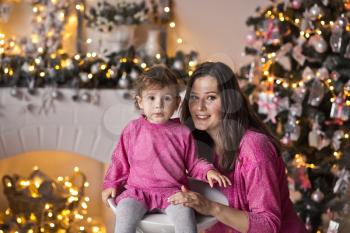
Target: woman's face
[(205, 104)]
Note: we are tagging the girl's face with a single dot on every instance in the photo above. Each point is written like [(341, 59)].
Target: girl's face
[(158, 104), (205, 104)]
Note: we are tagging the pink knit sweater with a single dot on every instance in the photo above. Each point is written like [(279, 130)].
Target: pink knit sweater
[(259, 187), (151, 160)]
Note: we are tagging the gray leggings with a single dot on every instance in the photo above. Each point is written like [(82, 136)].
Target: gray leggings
[(130, 212)]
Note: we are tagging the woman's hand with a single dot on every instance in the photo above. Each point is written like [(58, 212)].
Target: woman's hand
[(215, 176), (107, 193), (193, 200)]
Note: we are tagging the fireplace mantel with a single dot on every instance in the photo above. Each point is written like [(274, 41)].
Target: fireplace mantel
[(73, 126)]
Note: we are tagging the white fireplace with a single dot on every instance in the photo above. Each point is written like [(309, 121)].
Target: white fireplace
[(61, 135)]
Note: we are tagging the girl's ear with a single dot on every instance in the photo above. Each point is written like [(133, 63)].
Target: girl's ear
[(139, 102)]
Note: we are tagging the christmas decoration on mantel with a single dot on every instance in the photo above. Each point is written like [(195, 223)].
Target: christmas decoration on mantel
[(40, 61), (41, 204), (299, 81)]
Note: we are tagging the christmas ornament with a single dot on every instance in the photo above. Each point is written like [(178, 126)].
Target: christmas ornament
[(317, 196), (339, 108), (292, 128), (85, 96), (315, 12), (134, 74), (123, 81), (14, 92), (84, 77), (250, 37), (317, 92), (336, 40), (318, 43), (342, 184), (317, 138), (336, 139), (333, 227), (268, 104), (299, 94), (296, 4)]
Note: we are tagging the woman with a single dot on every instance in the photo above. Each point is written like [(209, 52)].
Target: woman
[(244, 150)]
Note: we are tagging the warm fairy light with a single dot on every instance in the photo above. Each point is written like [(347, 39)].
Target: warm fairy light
[(24, 183), (68, 184), (281, 19), (73, 191), (86, 184), (54, 1), (77, 57), (90, 76), (42, 229), (89, 219), (278, 81), (166, 9), (297, 20), (302, 33), (10, 72), (297, 122), (32, 217), (332, 99), (123, 59), (318, 31), (347, 103), (190, 73), (53, 56), (192, 63), (76, 169), (172, 24), (79, 7), (346, 135), (61, 16), (285, 85), (135, 60), (331, 88), (40, 50), (323, 23), (88, 40), (294, 85), (47, 206), (60, 178), (37, 61), (95, 229), (179, 41), (72, 20), (266, 72), (50, 214), (78, 216), (93, 54), (84, 205), (337, 154), (6, 70), (82, 228), (59, 217), (331, 23), (307, 35), (52, 225), (88, 55), (30, 231), (143, 65), (1, 231), (103, 66), (57, 67), (158, 56)]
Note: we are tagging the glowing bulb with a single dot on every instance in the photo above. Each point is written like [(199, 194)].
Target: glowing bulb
[(89, 40), (52, 225), (179, 41), (143, 65), (158, 56), (172, 24), (86, 184), (90, 76), (77, 57), (166, 9), (76, 169)]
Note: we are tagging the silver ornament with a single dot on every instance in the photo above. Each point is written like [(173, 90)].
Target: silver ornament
[(123, 81), (315, 12), (84, 77), (134, 74), (14, 92), (317, 196), (85, 97)]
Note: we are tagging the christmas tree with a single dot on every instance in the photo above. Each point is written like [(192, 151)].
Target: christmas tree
[(299, 82)]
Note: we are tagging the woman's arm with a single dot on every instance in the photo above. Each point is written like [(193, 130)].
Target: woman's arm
[(234, 218)]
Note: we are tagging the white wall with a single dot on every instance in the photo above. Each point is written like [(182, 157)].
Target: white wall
[(214, 28)]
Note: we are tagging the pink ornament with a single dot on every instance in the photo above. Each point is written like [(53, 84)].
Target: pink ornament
[(296, 4), (251, 37)]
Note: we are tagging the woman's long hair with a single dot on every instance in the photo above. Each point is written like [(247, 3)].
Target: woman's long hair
[(237, 114)]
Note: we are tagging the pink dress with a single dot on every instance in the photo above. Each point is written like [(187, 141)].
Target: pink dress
[(151, 160), (259, 187)]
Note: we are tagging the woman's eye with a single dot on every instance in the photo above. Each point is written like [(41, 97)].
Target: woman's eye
[(193, 97), (211, 98)]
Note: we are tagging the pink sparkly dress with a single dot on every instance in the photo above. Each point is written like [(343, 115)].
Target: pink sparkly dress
[(152, 162)]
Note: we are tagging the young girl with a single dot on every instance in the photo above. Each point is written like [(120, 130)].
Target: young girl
[(152, 157)]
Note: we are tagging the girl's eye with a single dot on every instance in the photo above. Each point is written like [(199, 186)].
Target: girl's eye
[(150, 97), (168, 98)]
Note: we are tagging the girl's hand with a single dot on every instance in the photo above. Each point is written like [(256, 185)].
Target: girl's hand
[(107, 193), (214, 176), (193, 200)]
